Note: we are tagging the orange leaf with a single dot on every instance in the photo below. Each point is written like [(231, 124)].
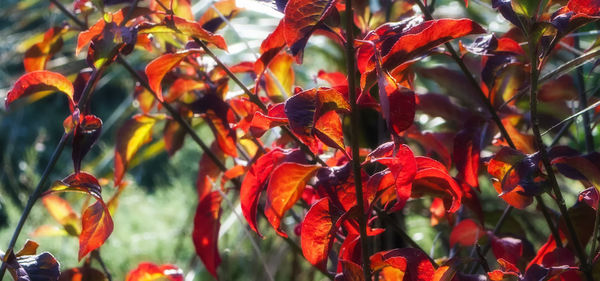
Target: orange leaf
[(40, 83), (97, 225), (40, 53), (328, 129), (285, 188), (159, 67)]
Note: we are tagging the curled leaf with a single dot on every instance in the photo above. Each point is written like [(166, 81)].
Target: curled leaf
[(40, 82)]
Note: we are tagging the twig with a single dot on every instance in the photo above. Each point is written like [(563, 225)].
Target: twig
[(96, 255)]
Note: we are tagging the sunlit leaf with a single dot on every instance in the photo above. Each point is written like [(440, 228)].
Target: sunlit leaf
[(97, 225), (177, 25), (328, 129), (397, 102), (301, 19), (254, 183), (131, 136), (40, 53), (146, 271), (63, 213), (80, 182), (159, 67), (279, 78), (407, 264), (40, 83), (318, 229), (206, 231), (211, 19), (285, 188)]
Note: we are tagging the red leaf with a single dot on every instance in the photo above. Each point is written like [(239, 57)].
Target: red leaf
[(40, 83), (206, 231), (285, 188), (177, 25), (318, 229), (97, 225), (211, 19), (350, 272), (131, 136), (40, 53), (403, 167), (301, 19), (159, 67), (508, 248), (261, 122), (466, 233), (269, 48), (407, 41), (466, 156), (81, 182), (254, 183), (433, 178), (150, 272), (397, 102), (588, 7)]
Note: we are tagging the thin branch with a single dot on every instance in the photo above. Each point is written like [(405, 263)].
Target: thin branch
[(96, 255), (39, 189), (595, 233)]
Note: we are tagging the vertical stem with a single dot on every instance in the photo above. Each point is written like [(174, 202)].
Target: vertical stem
[(573, 238), (354, 131)]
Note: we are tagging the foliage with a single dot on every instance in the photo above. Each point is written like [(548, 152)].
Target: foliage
[(300, 155)]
